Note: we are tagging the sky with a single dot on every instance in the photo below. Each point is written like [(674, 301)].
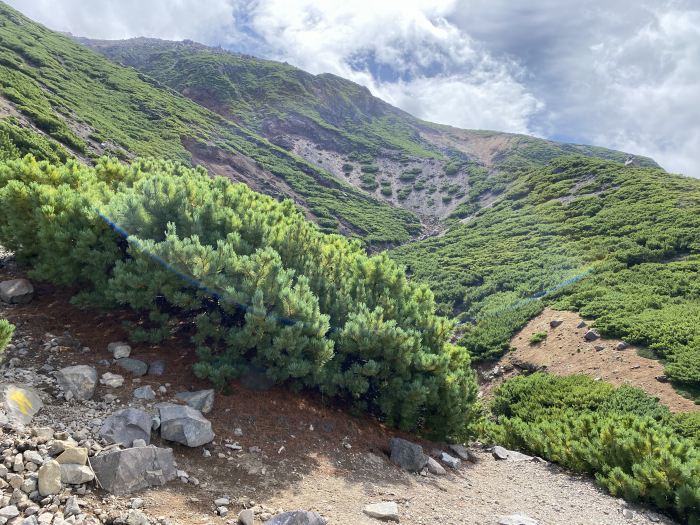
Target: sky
[(613, 73)]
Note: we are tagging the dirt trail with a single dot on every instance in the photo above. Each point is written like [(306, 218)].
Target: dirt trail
[(565, 352), (310, 455)]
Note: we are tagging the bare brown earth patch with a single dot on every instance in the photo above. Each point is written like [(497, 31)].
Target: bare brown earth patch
[(565, 351)]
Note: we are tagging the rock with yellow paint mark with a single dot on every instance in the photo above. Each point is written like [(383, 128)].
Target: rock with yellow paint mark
[(18, 404)]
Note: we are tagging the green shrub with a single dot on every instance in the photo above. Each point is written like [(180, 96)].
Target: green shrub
[(6, 331), (621, 435), (258, 284), (538, 337)]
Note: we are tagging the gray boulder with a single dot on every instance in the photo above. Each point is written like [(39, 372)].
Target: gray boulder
[(202, 400), (72, 474), (296, 517), (463, 453), (591, 335), (407, 455), (124, 471), (16, 291), (78, 381), (450, 461), (184, 425), (124, 426), (133, 366)]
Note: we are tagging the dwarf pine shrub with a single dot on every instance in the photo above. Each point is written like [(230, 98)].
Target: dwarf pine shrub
[(259, 284)]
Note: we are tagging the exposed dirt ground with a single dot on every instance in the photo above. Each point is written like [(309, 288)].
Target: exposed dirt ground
[(303, 460), (565, 352)]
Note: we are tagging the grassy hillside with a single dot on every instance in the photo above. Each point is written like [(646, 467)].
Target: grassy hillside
[(435, 171), (91, 106), (620, 244)]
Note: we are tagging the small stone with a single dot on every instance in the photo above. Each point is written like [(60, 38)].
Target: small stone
[(555, 322), (136, 517), (145, 393), (50, 478), (156, 368), (387, 510), (295, 517), (222, 502), (119, 350), (72, 507), (510, 455), (463, 453), (517, 519), (76, 474), (628, 514), (222, 511), (661, 378), (202, 400), (9, 512), (622, 345), (581, 324), (450, 461), (111, 380), (435, 468), (75, 455), (33, 456), (246, 517), (43, 434), (136, 503)]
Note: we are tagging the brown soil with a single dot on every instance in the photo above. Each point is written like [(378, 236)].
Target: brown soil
[(565, 352)]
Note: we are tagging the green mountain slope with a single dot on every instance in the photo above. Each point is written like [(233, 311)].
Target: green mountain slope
[(435, 171), (620, 244), (90, 106)]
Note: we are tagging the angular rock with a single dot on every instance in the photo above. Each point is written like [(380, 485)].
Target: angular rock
[(9, 512), (581, 324), (125, 471), (156, 368), (133, 366), (111, 380), (119, 350), (386, 510), (450, 461), (50, 478), (517, 519), (19, 404), (74, 455), (79, 380), (184, 425), (463, 453), (72, 507), (57, 446), (124, 426), (246, 517), (591, 335), (136, 517), (510, 455), (16, 291), (296, 517), (435, 468), (622, 345), (555, 322), (661, 378), (145, 393), (202, 400), (76, 474), (407, 455)]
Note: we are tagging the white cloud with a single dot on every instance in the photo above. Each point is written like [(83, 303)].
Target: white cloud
[(606, 72)]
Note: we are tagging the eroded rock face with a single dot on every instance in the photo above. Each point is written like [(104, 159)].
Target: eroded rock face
[(78, 381), (184, 425), (125, 471), (296, 517), (16, 291), (407, 455), (125, 426)]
